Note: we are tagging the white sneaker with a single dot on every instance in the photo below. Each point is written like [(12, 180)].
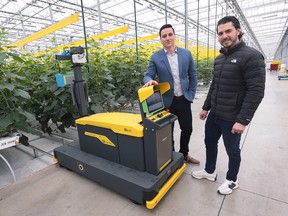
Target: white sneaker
[(227, 187), (200, 174)]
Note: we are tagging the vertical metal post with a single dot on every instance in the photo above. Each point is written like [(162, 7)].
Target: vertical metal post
[(23, 28), (166, 14), (216, 10), (227, 7), (22, 25), (84, 30), (136, 34), (197, 37), (186, 24), (208, 38), (52, 22), (100, 18)]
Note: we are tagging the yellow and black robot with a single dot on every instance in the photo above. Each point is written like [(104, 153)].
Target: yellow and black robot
[(128, 153)]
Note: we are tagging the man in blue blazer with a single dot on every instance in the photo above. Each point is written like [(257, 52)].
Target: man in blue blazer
[(175, 65)]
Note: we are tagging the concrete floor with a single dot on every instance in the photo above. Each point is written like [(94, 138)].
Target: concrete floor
[(263, 176)]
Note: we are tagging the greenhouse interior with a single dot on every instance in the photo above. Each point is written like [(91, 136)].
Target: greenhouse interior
[(82, 132)]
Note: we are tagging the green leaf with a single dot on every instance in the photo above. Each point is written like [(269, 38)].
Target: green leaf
[(7, 86), (24, 126), (61, 128), (49, 130), (22, 93), (5, 122), (67, 120), (107, 93), (3, 56), (13, 75), (97, 108), (59, 91), (54, 119), (17, 117), (60, 112), (51, 106), (64, 96), (17, 58), (110, 85), (53, 86), (29, 116)]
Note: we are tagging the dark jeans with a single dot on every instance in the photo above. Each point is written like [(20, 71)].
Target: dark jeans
[(214, 128), (182, 109)]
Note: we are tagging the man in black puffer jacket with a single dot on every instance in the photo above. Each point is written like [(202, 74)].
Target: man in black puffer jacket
[(235, 93)]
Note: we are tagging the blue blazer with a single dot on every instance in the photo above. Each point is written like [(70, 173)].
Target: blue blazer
[(159, 66)]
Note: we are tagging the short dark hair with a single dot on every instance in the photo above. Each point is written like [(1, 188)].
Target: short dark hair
[(164, 27), (235, 23)]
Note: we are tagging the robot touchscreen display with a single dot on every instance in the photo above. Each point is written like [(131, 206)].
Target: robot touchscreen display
[(154, 102)]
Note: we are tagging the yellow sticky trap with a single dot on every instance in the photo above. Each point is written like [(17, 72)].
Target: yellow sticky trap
[(42, 33)]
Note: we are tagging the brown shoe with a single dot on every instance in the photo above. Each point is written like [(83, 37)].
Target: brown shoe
[(191, 160)]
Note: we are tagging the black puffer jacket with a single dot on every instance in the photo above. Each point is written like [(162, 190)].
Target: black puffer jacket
[(238, 84)]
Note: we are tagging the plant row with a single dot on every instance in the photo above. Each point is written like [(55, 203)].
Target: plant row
[(31, 101)]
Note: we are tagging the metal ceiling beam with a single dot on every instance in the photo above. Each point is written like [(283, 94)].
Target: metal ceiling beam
[(270, 20), (107, 16), (69, 6), (110, 17), (275, 29), (178, 14), (52, 21), (14, 16), (266, 13), (262, 5)]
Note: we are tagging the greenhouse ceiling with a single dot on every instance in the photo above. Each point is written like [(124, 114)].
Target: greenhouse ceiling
[(264, 22)]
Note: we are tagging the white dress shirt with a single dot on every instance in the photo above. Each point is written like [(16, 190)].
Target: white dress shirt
[(173, 62)]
